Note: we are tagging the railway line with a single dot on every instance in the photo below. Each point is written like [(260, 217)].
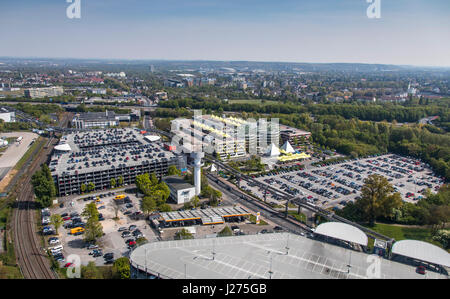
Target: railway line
[(31, 257)]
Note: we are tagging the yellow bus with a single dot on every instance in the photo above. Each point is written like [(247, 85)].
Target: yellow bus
[(77, 230), (120, 196)]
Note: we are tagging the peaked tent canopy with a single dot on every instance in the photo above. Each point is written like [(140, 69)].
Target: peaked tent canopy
[(287, 147), (273, 151)]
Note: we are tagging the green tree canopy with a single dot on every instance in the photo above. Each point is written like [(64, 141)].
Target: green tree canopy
[(378, 198)]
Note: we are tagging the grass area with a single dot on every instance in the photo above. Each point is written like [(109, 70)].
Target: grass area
[(404, 232), (252, 219), (300, 217), (37, 144), (10, 272)]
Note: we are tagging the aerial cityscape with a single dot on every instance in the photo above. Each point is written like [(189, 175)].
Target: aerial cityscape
[(185, 157)]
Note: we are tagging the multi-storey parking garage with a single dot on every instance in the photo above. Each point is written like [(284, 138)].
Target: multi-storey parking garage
[(99, 156)]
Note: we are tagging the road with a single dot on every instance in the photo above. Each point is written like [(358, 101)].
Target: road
[(253, 204)]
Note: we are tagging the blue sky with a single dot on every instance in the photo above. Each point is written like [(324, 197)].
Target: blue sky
[(414, 32)]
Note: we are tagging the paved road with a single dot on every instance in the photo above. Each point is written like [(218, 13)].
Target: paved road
[(266, 212)]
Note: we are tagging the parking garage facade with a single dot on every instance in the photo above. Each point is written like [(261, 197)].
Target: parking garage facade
[(99, 156)]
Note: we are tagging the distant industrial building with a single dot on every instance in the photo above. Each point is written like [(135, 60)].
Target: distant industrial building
[(102, 155), (180, 191), (43, 92), (100, 119)]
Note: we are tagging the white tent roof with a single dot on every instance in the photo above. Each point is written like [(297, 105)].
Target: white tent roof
[(273, 150), (287, 147), (213, 167), (63, 147), (422, 251), (342, 231), (152, 138)]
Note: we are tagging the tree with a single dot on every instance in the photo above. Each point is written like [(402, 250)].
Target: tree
[(164, 208), (378, 198), (225, 232), (195, 201), (121, 268), (183, 235), (43, 186), (57, 221), (90, 211), (93, 228), (83, 188), (91, 186), (148, 204), (173, 170), (120, 181), (153, 179), (113, 182)]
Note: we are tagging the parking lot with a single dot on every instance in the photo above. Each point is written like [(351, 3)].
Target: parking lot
[(335, 185), (115, 230)]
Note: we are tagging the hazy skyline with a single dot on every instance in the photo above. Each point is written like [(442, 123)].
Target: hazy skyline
[(410, 32)]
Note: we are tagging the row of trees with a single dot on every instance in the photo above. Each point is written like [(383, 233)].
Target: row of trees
[(43, 186), (368, 111)]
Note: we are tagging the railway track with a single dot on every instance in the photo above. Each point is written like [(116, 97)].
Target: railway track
[(31, 257)]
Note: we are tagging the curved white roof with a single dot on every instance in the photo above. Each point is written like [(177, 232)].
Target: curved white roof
[(152, 138), (63, 147), (342, 231), (422, 251)]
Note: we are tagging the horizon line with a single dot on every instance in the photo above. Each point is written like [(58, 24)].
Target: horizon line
[(214, 60)]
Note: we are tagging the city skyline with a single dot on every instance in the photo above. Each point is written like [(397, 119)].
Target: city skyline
[(408, 32)]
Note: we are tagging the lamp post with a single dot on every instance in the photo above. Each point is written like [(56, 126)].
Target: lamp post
[(270, 269)]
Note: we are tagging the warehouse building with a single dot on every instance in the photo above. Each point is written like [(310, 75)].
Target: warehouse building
[(97, 157)]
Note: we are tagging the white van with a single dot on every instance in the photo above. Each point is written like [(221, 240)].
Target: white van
[(56, 249)]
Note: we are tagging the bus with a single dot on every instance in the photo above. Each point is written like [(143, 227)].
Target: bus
[(77, 231), (120, 196)]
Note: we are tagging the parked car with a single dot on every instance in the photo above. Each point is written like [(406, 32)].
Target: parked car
[(421, 270), (53, 240), (108, 256)]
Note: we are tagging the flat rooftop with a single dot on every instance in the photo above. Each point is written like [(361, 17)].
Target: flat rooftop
[(243, 257), (202, 213), (293, 131), (177, 183), (106, 149)]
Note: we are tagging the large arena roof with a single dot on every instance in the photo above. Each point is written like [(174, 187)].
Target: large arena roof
[(342, 231), (253, 256), (422, 251)]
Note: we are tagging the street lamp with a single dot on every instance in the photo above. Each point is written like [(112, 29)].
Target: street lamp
[(270, 270)]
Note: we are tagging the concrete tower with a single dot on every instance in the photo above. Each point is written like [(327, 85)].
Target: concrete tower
[(197, 170)]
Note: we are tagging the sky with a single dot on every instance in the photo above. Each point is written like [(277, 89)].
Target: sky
[(409, 32)]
